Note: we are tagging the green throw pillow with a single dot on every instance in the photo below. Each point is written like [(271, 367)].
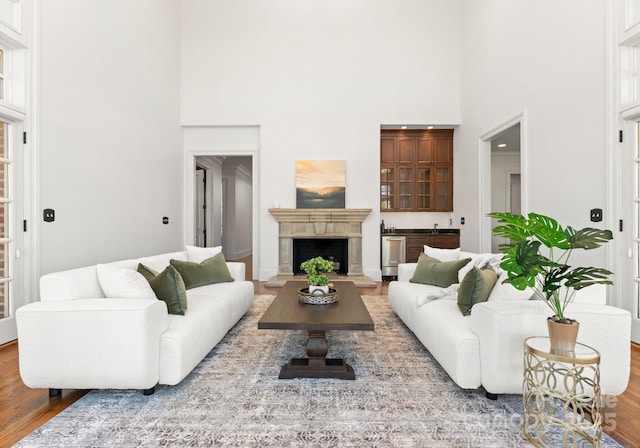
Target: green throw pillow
[(475, 288), (432, 271), (168, 286), (212, 270)]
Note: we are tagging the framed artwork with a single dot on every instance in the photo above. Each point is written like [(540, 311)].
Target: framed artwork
[(320, 183)]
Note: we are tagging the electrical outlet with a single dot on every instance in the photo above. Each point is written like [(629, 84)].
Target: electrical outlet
[(596, 214)]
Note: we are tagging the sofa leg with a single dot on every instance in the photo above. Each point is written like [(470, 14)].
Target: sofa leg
[(54, 392), (149, 391), (490, 396)]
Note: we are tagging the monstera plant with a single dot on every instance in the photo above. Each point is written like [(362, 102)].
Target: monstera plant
[(538, 257)]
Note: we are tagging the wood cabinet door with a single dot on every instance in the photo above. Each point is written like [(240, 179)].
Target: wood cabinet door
[(387, 187), (424, 182), (406, 149), (424, 150), (443, 187), (445, 241), (405, 188), (443, 152), (387, 149), (415, 246)]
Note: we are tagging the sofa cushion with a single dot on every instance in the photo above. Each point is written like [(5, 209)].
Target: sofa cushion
[(199, 254), (475, 288), (506, 291), (167, 286), (432, 271), (122, 283), (211, 270), (442, 254)]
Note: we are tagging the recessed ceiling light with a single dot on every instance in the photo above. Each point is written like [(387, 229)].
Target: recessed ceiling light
[(403, 127), (429, 127), (502, 145)]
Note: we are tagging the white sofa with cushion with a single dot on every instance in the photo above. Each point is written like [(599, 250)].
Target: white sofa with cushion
[(485, 348), (102, 327)]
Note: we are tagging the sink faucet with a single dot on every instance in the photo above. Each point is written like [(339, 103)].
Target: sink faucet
[(435, 227)]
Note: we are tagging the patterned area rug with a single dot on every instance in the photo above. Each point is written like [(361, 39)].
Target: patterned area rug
[(401, 398)]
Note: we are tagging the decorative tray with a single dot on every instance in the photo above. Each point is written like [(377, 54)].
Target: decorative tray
[(305, 296)]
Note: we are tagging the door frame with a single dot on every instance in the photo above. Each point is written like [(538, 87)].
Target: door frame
[(484, 174), (19, 265), (626, 267), (189, 204)]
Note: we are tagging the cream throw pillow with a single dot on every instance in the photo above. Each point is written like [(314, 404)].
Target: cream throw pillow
[(197, 254), (442, 254), (506, 291), (121, 283)]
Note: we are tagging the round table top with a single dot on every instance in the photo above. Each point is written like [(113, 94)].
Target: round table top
[(583, 354)]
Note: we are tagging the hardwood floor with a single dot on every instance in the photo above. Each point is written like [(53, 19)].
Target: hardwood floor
[(22, 410)]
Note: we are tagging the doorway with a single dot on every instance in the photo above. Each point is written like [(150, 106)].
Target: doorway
[(12, 226), (628, 273), (501, 177), (223, 204)]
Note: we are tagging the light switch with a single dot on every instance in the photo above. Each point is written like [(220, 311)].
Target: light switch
[(49, 215)]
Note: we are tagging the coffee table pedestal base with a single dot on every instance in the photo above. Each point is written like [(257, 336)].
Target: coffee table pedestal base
[(316, 365), (311, 368)]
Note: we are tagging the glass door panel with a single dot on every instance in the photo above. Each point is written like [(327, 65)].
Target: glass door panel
[(5, 239), (10, 211), (405, 188), (387, 190), (423, 188), (442, 188)]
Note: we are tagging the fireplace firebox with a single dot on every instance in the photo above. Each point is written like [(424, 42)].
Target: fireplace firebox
[(335, 249)]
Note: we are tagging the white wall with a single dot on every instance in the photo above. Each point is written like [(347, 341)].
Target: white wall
[(319, 79), (547, 58), (110, 147)]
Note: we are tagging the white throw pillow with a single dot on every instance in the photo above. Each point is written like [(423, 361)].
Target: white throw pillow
[(442, 254), (199, 254), (506, 291), (121, 283), (480, 261)]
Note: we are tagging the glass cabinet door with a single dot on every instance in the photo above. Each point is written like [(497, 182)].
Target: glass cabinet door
[(405, 188), (423, 188), (387, 188)]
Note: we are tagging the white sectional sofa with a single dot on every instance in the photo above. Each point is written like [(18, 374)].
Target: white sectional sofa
[(77, 338), (486, 347)]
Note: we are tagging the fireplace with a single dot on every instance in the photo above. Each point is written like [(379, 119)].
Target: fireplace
[(334, 249), (320, 224)]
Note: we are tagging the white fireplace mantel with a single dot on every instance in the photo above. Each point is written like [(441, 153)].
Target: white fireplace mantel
[(320, 223)]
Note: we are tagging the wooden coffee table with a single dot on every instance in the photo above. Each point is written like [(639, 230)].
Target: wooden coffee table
[(286, 312)]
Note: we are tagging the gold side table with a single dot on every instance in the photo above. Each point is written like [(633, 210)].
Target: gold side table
[(561, 391)]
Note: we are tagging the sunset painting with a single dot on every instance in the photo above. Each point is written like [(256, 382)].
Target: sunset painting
[(320, 183)]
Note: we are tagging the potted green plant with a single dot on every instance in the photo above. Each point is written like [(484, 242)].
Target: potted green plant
[(315, 269), (546, 269)]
